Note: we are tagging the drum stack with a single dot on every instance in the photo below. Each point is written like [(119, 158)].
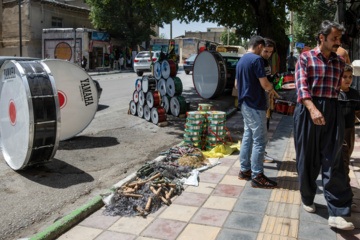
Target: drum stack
[(147, 100), (155, 96), (205, 128)]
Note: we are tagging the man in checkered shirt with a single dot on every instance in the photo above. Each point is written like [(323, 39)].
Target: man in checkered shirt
[(319, 126)]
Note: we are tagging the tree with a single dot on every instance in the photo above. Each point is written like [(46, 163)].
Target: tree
[(307, 22), (267, 18), (132, 21), (233, 39)]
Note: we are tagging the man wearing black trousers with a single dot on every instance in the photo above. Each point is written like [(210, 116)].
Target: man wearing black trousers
[(319, 126)]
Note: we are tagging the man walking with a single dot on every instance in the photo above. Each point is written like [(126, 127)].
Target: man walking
[(251, 83), (319, 126)]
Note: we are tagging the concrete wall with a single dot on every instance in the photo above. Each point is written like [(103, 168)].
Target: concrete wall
[(211, 36)]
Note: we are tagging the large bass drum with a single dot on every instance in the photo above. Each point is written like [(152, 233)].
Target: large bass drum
[(78, 97), (30, 114), (209, 74)]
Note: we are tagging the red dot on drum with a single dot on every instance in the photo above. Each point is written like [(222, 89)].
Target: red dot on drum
[(12, 113), (62, 99)]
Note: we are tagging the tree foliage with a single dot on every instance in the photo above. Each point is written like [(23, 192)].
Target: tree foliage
[(131, 21), (307, 22), (267, 18), (233, 39)]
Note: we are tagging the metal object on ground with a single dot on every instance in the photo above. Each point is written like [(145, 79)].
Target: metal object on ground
[(177, 105), (30, 116), (174, 86), (209, 74), (133, 108), (78, 97), (158, 115)]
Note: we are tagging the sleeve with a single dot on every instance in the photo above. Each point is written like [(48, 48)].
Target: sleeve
[(259, 68), (357, 97), (301, 80)]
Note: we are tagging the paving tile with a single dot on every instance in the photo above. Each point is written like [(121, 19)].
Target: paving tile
[(251, 206), (285, 210), (320, 200), (311, 231), (278, 226), (164, 229), (228, 161), (196, 232), (81, 233), (132, 225), (230, 234), (267, 236), (107, 235), (218, 169), (236, 164), (244, 221), (320, 216), (348, 235), (213, 217), (210, 177), (233, 171), (204, 188), (233, 180), (222, 203), (191, 199), (159, 211), (285, 196), (98, 220), (178, 212), (227, 190), (256, 193), (146, 238)]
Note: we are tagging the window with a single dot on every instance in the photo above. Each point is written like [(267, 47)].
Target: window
[(56, 22)]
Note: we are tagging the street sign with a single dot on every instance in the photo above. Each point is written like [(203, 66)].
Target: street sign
[(300, 45)]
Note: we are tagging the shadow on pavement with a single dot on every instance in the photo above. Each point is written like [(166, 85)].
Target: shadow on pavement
[(102, 107), (85, 142), (56, 174)]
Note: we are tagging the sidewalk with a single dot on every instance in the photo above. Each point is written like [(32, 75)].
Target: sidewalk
[(224, 207)]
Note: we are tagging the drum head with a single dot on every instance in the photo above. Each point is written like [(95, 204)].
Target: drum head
[(133, 108), (157, 70), (165, 103), (162, 87), (30, 116), (78, 96), (136, 96), (138, 84), (155, 116), (209, 74), (141, 97), (150, 99), (147, 113), (168, 68), (288, 86), (140, 110), (175, 106)]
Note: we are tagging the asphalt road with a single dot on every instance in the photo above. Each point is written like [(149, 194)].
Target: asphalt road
[(114, 145)]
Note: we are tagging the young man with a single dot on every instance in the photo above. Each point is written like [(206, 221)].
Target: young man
[(349, 100), (291, 61), (251, 83), (319, 126)]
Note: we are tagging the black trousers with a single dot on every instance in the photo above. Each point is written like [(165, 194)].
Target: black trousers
[(320, 147)]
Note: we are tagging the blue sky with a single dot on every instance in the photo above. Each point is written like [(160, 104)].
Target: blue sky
[(180, 28)]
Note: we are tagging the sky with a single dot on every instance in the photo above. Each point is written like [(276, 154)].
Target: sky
[(180, 28)]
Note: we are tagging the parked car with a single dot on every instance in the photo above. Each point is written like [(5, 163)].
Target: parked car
[(4, 58), (142, 61), (189, 63)]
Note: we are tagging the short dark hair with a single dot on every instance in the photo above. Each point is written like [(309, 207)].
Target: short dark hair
[(269, 42), (325, 29), (348, 68), (256, 41)]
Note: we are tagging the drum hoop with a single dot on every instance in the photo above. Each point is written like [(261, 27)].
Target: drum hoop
[(219, 75)]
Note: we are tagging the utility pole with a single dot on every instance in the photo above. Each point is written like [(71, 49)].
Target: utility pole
[(228, 36), (20, 37), (291, 30), (171, 29)]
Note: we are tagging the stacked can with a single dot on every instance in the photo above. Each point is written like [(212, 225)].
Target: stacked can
[(195, 128), (216, 133), (205, 107)]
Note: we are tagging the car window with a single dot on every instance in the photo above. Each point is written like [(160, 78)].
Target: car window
[(192, 57), (143, 55)]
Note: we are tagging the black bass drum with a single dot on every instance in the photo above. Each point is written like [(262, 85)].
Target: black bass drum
[(30, 114), (209, 74)]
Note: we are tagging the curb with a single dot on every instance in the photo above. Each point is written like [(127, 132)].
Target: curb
[(69, 221)]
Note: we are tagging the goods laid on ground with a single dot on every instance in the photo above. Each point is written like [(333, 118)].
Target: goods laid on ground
[(161, 94)]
